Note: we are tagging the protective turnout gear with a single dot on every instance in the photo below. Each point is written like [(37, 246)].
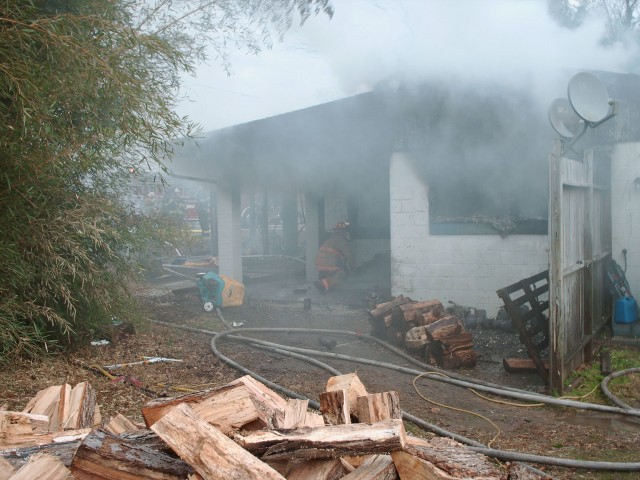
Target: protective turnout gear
[(335, 258)]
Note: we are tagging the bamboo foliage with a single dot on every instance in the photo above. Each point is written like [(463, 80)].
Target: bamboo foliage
[(88, 89)]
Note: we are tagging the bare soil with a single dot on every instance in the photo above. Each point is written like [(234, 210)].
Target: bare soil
[(277, 303)]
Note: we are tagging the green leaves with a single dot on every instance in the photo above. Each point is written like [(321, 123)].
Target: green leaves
[(86, 89)]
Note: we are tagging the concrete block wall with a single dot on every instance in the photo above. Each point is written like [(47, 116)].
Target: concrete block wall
[(625, 210), (465, 269)]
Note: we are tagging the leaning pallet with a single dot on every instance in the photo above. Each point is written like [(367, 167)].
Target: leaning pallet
[(359, 436)]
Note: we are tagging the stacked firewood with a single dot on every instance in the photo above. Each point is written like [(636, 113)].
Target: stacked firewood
[(426, 328), (241, 430)]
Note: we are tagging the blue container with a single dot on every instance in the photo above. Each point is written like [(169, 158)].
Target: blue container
[(626, 310)]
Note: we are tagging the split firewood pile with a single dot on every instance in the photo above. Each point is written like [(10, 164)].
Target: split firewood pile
[(425, 328), (241, 430)]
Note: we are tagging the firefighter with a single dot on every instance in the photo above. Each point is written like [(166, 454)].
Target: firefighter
[(335, 259)]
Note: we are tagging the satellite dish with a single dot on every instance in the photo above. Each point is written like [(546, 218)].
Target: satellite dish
[(564, 119), (589, 97)]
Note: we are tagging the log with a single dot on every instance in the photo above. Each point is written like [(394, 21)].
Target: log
[(453, 458), (105, 456), (63, 450), (414, 468), (6, 469), (335, 407), (416, 337), (353, 462), (209, 451), (517, 471), (297, 415), (97, 417), (386, 307), (377, 467), (376, 407), (331, 469), (230, 407), (38, 423), (522, 365), (460, 358), (146, 438), (397, 319), (461, 341), (444, 327), (16, 432), (43, 467), (52, 402), (119, 424), (331, 441), (82, 406), (352, 384), (416, 310)]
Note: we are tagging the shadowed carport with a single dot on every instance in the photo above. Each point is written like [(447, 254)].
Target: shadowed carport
[(342, 146)]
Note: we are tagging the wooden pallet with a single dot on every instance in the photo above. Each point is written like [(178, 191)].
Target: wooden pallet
[(530, 315)]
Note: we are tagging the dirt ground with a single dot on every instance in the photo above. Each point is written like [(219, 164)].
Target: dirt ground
[(277, 302)]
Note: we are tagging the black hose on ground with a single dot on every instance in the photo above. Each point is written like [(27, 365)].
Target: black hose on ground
[(513, 456), (476, 446), (604, 386), (557, 462), (405, 416), (445, 377), (519, 395)]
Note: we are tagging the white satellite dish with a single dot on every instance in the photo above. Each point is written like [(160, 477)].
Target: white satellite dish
[(564, 119), (589, 98)]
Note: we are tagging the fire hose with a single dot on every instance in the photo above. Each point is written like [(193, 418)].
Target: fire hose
[(473, 445)]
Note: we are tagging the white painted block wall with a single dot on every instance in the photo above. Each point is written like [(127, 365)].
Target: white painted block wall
[(465, 269), (625, 206)]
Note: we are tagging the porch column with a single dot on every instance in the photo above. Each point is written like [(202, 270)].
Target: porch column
[(213, 221), (311, 234), (229, 239)]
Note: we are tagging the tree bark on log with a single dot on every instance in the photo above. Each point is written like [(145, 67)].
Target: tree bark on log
[(326, 442), (19, 456), (105, 456), (82, 407), (453, 458)]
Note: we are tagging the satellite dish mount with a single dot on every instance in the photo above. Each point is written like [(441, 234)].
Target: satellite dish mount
[(588, 106)]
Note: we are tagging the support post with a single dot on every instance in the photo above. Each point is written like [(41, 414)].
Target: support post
[(312, 236), (229, 238)]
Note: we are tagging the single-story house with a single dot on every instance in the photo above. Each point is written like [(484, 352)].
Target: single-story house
[(451, 181)]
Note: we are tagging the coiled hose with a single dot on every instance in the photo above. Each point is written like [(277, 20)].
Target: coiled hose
[(604, 386)]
